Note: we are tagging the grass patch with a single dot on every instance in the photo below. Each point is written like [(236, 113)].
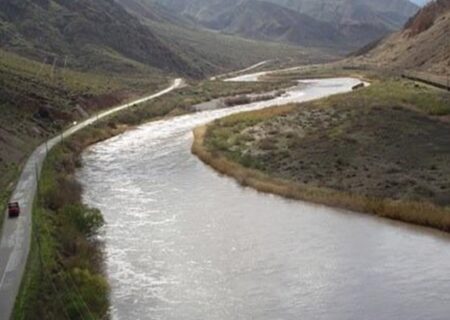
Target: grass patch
[(407, 93)]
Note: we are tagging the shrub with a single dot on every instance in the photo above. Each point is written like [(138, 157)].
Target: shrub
[(86, 220)]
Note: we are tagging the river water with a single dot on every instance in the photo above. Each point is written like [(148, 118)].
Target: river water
[(183, 242)]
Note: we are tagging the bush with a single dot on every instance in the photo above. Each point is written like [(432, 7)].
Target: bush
[(235, 101), (65, 191), (93, 290), (86, 220)]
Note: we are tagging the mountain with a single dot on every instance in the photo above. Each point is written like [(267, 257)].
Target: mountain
[(355, 22), (422, 45), (361, 21), (212, 51), (389, 13), (86, 34), (153, 11), (257, 20), (266, 21)]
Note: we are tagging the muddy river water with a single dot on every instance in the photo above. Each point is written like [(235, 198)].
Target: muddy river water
[(183, 242)]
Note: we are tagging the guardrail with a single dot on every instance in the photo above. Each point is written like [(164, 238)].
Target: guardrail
[(434, 80), (440, 81)]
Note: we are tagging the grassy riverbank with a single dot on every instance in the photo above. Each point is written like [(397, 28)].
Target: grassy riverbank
[(64, 276), (383, 150)]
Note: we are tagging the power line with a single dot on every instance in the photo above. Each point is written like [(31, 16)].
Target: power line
[(79, 311), (41, 67), (74, 302), (67, 289), (81, 296)]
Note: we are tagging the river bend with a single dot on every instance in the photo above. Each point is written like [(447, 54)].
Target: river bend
[(183, 242)]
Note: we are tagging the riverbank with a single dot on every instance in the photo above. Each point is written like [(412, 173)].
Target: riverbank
[(382, 150), (65, 273)]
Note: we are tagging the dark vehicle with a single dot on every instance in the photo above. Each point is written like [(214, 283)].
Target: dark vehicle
[(13, 209), (358, 86)]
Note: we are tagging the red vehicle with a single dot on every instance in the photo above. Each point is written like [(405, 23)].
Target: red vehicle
[(13, 209)]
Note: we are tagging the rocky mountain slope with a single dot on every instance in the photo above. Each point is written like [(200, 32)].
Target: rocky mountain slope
[(359, 20), (390, 13), (355, 22), (422, 45), (267, 21)]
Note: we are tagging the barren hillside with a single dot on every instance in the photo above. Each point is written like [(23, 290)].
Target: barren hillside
[(423, 44)]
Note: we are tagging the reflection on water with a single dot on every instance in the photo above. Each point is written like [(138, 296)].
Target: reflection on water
[(183, 242)]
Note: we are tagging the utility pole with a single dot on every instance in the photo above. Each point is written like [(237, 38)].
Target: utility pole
[(64, 69), (448, 80), (42, 67), (36, 171), (52, 72)]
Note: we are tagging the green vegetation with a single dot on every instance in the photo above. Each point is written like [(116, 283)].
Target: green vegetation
[(23, 76), (86, 35), (409, 94), (383, 149), (64, 276)]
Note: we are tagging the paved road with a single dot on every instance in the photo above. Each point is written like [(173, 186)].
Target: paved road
[(16, 233), (259, 64)]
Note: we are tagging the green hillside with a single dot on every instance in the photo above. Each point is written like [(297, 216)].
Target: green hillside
[(84, 34)]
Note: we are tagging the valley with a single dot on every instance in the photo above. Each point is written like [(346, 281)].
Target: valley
[(281, 81), (204, 257), (340, 24)]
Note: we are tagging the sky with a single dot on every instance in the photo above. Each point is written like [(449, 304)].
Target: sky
[(420, 2)]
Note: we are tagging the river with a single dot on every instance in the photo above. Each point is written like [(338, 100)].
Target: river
[(183, 242)]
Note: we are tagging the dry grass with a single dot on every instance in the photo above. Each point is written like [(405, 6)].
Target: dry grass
[(420, 213), (258, 115)]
